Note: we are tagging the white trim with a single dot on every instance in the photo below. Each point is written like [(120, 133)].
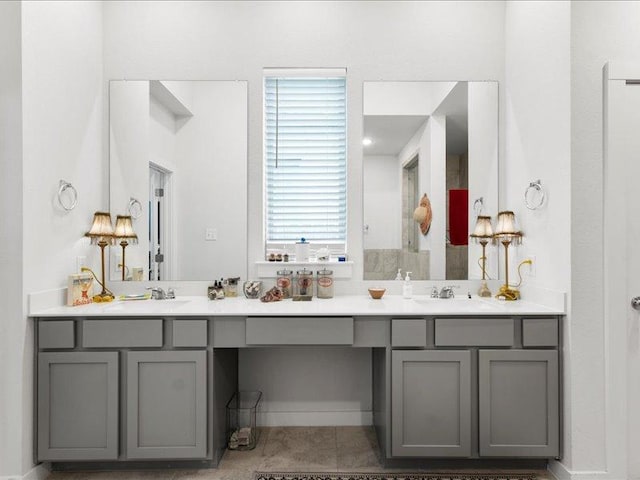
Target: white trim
[(38, 472), (46, 299), (561, 472), (304, 72), (314, 419)]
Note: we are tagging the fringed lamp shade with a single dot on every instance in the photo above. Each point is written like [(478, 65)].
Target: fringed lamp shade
[(483, 229), (506, 228), (101, 229), (124, 229)]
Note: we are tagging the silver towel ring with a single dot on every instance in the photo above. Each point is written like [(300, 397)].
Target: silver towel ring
[(534, 195), (135, 208), (478, 206), (63, 187)]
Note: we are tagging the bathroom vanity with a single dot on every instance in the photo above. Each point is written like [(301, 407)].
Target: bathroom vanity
[(470, 379)]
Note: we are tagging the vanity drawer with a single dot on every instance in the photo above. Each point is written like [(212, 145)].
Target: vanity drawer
[(122, 333), (474, 332), (190, 333), (56, 334), (539, 332), (408, 332), (299, 331)]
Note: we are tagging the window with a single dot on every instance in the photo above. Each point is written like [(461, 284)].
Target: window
[(305, 159)]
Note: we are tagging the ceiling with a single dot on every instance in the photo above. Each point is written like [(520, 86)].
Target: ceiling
[(390, 133)]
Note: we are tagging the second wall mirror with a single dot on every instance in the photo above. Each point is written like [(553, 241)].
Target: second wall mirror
[(438, 139), (178, 159)]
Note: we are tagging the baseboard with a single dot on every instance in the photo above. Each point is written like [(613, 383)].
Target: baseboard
[(39, 472), (314, 419), (561, 472)]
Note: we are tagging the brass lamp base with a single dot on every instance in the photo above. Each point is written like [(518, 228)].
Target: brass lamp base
[(103, 297), (484, 291), (508, 294)]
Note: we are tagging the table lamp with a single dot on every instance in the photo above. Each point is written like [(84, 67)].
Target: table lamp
[(101, 233), (124, 232), (507, 234), (483, 234)]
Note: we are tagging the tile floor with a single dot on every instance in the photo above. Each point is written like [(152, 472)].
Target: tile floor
[(306, 449)]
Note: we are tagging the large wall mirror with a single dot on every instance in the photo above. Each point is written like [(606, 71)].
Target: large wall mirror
[(178, 166), (438, 139)]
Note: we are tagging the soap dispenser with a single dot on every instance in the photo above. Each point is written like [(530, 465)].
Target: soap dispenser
[(399, 275), (407, 288)]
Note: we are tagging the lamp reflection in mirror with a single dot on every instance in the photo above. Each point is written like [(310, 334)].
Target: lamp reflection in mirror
[(101, 234), (483, 234), (124, 232), (507, 234)]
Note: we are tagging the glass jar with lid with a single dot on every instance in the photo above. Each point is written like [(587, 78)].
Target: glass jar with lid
[(325, 283), (303, 286), (284, 281)]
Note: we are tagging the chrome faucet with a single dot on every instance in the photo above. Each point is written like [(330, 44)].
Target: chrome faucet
[(157, 293), (434, 292), (447, 292)]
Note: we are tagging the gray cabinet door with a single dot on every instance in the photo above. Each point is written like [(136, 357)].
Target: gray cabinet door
[(166, 404), (431, 403), (78, 406), (518, 410)]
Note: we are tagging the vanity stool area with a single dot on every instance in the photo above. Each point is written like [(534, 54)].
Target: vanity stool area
[(449, 388)]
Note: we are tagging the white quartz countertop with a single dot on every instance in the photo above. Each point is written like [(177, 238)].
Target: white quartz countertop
[(348, 305)]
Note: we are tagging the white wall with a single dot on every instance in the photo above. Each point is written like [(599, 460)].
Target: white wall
[(129, 151), (12, 324), (483, 167), (432, 176), (382, 202), (62, 109), (537, 146), (211, 156)]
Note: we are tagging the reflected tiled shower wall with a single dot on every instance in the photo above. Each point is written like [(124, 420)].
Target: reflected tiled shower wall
[(383, 264)]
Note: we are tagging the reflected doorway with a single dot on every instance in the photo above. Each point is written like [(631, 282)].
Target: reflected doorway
[(159, 223)]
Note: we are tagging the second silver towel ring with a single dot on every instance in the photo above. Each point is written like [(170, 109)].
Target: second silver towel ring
[(135, 208), (534, 195), (67, 204), (478, 205)]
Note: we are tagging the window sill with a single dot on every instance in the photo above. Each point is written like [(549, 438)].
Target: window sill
[(269, 269)]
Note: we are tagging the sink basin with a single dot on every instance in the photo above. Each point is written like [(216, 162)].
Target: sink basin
[(458, 304), (142, 306)]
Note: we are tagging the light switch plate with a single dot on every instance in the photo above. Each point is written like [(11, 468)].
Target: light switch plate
[(211, 234)]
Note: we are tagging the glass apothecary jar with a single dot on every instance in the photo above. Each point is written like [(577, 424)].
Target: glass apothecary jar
[(284, 282), (324, 288)]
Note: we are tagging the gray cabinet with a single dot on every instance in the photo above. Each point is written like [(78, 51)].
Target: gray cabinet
[(166, 404), (518, 403), (431, 403), (77, 406)]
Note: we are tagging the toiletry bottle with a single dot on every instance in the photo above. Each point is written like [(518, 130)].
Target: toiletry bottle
[(399, 275), (407, 288)]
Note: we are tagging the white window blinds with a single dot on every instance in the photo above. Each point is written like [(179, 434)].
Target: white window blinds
[(306, 159)]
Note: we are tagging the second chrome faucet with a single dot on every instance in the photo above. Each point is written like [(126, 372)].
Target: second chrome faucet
[(445, 292)]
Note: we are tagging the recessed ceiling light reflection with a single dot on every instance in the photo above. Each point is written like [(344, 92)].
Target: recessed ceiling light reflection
[(366, 141)]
